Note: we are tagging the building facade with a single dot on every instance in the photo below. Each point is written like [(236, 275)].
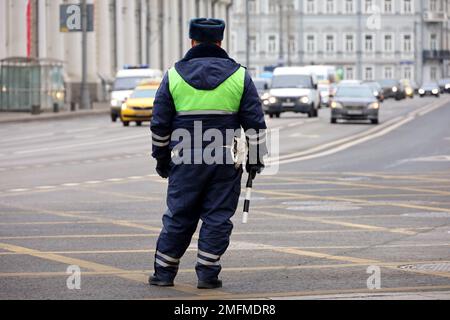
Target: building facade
[(126, 32), (368, 39)]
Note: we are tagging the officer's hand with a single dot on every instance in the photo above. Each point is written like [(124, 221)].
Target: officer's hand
[(254, 169), (163, 168)]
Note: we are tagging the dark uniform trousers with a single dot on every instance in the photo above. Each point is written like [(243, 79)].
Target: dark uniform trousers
[(209, 193)]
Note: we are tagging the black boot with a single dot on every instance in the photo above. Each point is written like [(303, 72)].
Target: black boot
[(214, 284), (155, 281)]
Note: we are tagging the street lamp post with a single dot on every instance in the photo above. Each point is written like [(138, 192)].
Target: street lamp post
[(85, 98), (247, 33)]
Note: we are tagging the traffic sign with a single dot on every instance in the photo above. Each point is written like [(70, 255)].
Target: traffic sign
[(71, 18)]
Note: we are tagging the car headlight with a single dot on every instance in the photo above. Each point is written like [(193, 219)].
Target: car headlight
[(265, 96), (272, 100), (409, 90), (374, 105), (124, 106), (394, 89), (266, 102), (421, 91), (435, 91), (304, 100), (336, 105), (376, 93)]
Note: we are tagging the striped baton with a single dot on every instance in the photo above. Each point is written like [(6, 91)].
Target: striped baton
[(248, 197)]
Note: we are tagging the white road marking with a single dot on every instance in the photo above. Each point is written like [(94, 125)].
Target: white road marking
[(85, 144), (70, 184), (18, 190), (93, 182), (46, 187), (301, 135), (359, 138)]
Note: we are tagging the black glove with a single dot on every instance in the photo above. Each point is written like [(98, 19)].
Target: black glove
[(163, 167), (254, 169)]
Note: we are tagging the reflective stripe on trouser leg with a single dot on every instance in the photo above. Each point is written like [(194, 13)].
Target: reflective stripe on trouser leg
[(166, 267), (181, 219)]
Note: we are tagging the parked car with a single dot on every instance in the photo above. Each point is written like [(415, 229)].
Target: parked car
[(444, 85), (355, 102), (429, 89), (377, 90), (392, 89), (292, 89)]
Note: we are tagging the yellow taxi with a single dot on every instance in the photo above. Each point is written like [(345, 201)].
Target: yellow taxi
[(139, 106)]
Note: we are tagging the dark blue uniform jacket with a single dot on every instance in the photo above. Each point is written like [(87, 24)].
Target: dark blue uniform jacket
[(204, 67)]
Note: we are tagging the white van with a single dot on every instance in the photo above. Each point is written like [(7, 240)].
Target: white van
[(126, 81), (292, 89)]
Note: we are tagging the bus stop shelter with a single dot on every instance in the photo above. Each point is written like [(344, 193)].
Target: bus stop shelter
[(28, 84)]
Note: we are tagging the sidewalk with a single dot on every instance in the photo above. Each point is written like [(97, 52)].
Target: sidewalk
[(18, 117)]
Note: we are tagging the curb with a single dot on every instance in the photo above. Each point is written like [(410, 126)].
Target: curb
[(58, 116)]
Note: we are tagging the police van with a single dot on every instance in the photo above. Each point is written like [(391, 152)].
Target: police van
[(125, 83), (292, 89)]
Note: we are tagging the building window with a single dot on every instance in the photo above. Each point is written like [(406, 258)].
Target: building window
[(310, 43), (252, 6), (252, 41), (388, 73), (273, 6), (433, 73), (329, 43), (368, 43), (433, 41), (349, 6), (407, 43), (349, 43), (433, 5), (388, 45), (368, 73), (407, 6), (329, 6), (388, 6), (407, 73), (310, 6), (368, 6), (349, 74), (272, 44), (292, 45)]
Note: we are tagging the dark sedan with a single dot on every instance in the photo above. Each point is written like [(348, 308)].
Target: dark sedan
[(429, 89), (444, 85), (377, 90), (392, 89), (355, 102)]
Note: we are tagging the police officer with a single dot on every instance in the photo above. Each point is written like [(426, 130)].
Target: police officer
[(209, 89)]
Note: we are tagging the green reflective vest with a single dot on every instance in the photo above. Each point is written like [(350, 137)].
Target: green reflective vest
[(225, 99)]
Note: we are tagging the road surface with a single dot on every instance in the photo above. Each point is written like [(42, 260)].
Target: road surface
[(352, 207)]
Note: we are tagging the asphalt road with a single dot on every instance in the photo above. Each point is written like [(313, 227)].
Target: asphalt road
[(346, 197)]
